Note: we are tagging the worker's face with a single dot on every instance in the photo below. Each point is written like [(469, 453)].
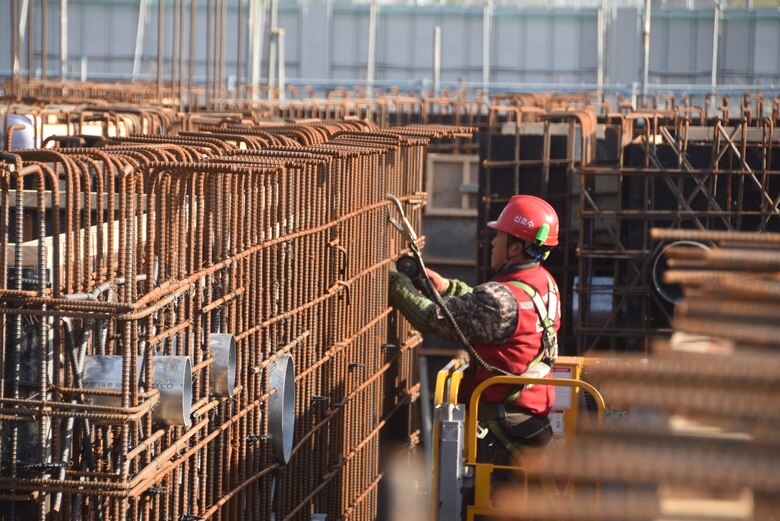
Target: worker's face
[(498, 254), (501, 254)]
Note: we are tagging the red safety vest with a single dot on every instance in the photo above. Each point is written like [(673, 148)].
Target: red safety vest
[(515, 354)]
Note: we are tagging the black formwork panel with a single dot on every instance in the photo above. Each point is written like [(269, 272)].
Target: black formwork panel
[(512, 164), (622, 300)]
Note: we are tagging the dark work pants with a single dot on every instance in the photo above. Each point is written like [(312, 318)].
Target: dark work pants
[(533, 433)]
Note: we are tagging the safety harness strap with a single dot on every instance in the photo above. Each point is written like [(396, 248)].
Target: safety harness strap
[(549, 349), (539, 367), (542, 363), (498, 432)]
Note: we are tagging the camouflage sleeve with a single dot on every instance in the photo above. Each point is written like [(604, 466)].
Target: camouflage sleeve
[(457, 288), (486, 315)]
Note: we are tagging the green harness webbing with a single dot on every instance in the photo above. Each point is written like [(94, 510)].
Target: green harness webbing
[(548, 351), (494, 427)]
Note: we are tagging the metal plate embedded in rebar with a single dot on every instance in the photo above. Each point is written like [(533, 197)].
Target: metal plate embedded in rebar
[(223, 369), (281, 408)]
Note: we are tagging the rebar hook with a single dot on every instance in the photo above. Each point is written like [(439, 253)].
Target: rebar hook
[(405, 227)]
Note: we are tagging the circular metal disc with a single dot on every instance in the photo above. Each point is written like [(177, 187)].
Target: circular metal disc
[(173, 378), (669, 292), (223, 368), (281, 408)]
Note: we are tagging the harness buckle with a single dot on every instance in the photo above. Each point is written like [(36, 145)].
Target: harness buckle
[(550, 343)]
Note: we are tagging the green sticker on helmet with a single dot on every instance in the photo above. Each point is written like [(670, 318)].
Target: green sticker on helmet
[(541, 235)]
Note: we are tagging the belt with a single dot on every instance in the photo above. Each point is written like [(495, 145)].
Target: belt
[(499, 411)]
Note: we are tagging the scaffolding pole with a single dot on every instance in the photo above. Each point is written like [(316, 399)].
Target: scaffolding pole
[(487, 14), (436, 60), (63, 39), (372, 14), (646, 47), (140, 34)]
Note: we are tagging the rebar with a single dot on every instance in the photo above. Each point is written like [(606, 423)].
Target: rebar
[(276, 235)]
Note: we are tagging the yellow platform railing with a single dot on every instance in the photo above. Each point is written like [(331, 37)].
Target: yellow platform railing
[(447, 383)]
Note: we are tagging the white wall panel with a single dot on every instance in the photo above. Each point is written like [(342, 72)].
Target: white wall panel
[(329, 42), (766, 59), (510, 40)]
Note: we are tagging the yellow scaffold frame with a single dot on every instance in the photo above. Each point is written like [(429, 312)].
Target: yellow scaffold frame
[(447, 383)]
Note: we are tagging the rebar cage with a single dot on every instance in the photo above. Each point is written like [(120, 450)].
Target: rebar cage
[(151, 248), (614, 175)]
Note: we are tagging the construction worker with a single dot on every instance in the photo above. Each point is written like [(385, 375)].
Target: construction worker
[(511, 322)]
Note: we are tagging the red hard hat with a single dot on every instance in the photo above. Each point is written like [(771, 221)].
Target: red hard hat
[(525, 217)]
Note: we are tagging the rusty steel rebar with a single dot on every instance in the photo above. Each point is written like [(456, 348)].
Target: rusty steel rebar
[(174, 227), (272, 233), (698, 416)]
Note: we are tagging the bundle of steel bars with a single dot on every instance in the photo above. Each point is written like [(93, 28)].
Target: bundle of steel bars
[(132, 262), (693, 429)]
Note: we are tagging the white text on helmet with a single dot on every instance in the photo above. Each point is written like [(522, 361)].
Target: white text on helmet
[(522, 221)]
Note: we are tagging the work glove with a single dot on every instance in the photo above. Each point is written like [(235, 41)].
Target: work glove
[(401, 287), (417, 309), (440, 284)]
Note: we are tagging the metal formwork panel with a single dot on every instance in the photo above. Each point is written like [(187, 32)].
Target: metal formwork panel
[(714, 177), (349, 34), (510, 31), (398, 57), (531, 149), (680, 47), (457, 36), (766, 62), (737, 50), (316, 40), (625, 48), (405, 45), (537, 49)]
